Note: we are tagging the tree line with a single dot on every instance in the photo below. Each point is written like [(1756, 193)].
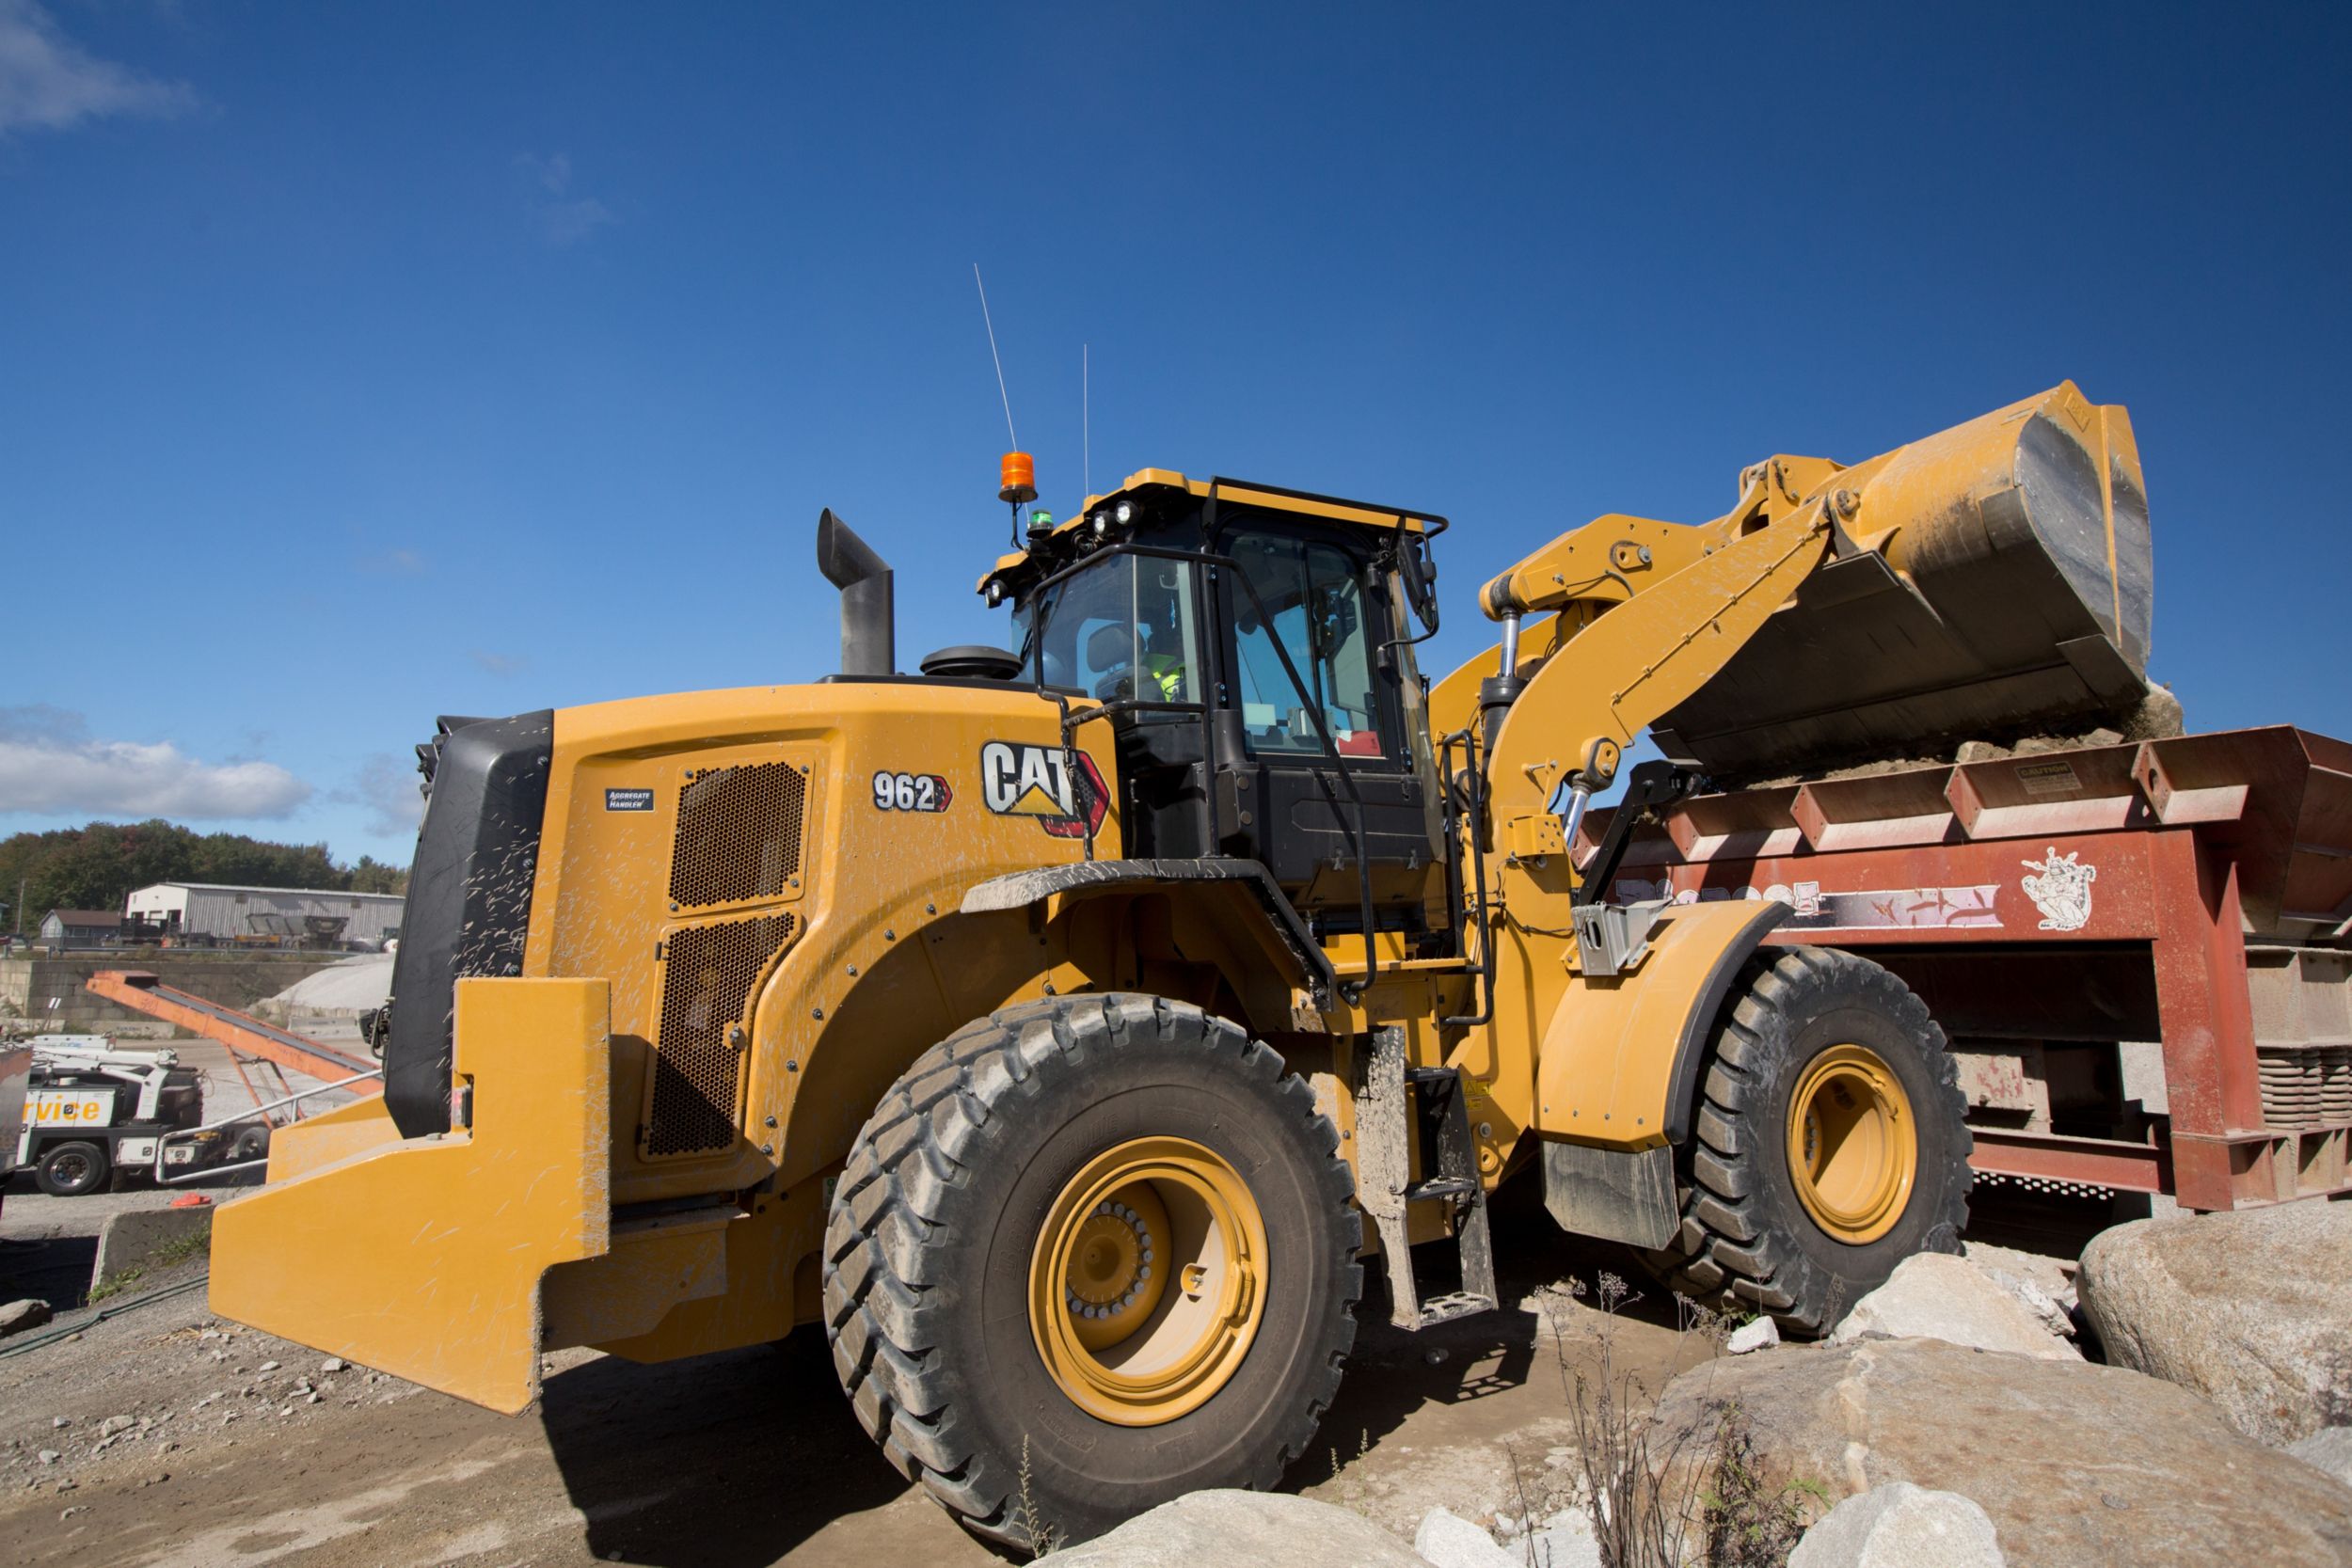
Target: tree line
[(97, 866)]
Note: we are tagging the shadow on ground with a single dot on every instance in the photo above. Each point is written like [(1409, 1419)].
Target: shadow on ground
[(726, 1460)]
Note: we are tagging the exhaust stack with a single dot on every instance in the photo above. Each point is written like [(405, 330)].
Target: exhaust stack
[(869, 635)]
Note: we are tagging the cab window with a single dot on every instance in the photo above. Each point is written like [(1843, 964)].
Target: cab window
[(1120, 630), (1312, 596)]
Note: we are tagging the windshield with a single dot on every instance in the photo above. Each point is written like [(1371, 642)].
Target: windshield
[(1122, 629)]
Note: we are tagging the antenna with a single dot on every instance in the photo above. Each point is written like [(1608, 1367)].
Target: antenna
[(994, 354), (1086, 419)]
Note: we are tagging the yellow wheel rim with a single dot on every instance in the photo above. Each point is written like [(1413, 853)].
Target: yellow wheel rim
[(1148, 1281), (1853, 1148)]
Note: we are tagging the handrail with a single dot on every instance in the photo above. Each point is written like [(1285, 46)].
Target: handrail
[(263, 1110)]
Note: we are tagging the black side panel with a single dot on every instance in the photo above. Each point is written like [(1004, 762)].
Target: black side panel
[(468, 900)]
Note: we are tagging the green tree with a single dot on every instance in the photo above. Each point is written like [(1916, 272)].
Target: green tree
[(97, 866), (373, 876)]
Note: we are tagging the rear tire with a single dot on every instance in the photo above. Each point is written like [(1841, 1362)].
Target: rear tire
[(1829, 1143), (969, 1205), (72, 1169)]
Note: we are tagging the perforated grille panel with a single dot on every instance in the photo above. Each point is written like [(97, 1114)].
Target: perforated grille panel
[(705, 992), (738, 834)]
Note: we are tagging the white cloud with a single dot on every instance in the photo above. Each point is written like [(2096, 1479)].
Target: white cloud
[(388, 789), (49, 83), (561, 217), (50, 764)]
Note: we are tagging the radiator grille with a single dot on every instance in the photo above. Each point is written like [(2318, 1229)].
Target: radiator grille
[(2306, 1086), (738, 834), (706, 991)]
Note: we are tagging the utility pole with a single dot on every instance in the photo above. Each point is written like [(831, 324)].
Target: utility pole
[(20, 904)]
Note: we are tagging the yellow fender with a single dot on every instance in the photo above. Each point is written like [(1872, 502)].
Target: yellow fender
[(422, 1257), (1619, 1062)]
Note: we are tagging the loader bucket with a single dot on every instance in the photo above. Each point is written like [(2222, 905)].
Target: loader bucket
[(2001, 587), (423, 1257)]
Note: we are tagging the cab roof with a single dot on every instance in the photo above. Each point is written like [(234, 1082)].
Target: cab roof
[(1148, 484)]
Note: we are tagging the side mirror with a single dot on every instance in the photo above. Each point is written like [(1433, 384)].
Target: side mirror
[(1419, 576)]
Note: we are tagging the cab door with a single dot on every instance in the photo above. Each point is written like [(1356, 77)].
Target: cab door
[(1315, 594)]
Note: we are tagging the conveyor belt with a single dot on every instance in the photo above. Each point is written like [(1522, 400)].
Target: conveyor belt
[(142, 991)]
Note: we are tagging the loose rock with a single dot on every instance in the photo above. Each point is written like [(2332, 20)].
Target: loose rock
[(2245, 1307), (1233, 1526), (17, 1315), (2075, 1463), (1567, 1540), (113, 1424), (1932, 1295), (1762, 1333), (1900, 1526), (50, 1456), (1449, 1540)]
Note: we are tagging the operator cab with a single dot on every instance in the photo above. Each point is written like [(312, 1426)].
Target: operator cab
[(1252, 649)]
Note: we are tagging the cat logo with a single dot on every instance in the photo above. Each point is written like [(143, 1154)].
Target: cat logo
[(1018, 779)]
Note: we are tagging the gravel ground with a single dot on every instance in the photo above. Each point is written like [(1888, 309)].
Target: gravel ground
[(190, 1441)]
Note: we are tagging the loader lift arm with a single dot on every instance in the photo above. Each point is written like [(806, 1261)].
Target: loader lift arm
[(1582, 705)]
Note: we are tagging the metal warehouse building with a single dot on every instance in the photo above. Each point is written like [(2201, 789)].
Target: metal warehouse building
[(224, 914)]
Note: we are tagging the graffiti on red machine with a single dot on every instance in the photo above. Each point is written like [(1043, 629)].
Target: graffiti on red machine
[(2061, 891), (1815, 908)]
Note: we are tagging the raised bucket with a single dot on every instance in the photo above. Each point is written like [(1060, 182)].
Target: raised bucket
[(2002, 587)]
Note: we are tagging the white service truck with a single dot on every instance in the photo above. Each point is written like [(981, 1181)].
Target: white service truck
[(92, 1109)]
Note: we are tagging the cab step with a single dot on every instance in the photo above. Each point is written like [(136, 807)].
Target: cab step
[(1403, 1112)]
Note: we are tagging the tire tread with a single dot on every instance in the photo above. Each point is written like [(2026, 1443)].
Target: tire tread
[(887, 1223)]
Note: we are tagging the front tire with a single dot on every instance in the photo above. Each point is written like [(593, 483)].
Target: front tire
[(1830, 1143), (70, 1169), (1091, 1254)]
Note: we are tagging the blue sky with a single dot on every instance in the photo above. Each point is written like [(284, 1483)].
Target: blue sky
[(362, 364)]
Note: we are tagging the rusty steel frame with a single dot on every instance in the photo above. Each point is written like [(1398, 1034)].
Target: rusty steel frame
[(2189, 843)]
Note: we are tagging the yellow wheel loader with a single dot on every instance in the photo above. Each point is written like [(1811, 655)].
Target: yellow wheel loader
[(1068, 1030)]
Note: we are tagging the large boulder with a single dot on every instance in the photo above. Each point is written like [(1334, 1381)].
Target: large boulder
[(1900, 1526), (2250, 1308), (1222, 1526), (1934, 1295), (2077, 1465)]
